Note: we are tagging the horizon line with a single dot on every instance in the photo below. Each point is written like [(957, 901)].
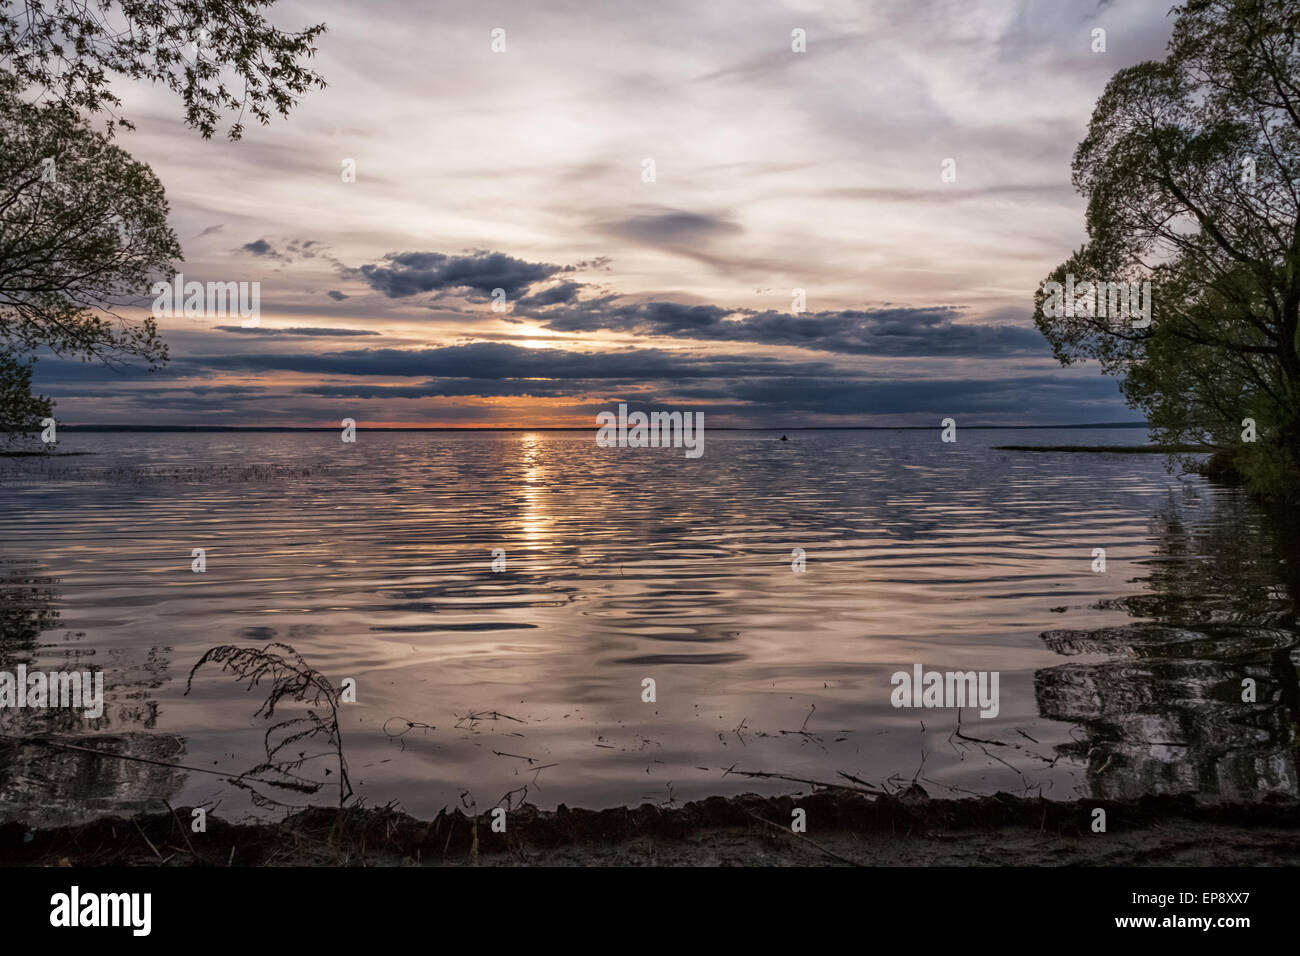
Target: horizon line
[(553, 428)]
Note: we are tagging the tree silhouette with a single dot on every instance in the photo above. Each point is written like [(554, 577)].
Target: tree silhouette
[(83, 226), (1191, 168)]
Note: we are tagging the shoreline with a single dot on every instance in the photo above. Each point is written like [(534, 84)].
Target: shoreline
[(1112, 449), (844, 828)]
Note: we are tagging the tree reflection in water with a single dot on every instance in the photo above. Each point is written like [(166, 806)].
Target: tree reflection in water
[(1163, 713), (39, 784)]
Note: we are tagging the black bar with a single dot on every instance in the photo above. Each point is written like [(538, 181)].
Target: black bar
[(328, 908)]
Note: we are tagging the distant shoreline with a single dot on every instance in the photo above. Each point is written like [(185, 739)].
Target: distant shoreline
[(1113, 449), (575, 428)]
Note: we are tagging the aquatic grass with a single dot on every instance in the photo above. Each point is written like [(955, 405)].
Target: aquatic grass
[(290, 679)]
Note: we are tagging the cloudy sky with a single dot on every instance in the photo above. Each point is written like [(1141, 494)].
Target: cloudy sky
[(526, 171)]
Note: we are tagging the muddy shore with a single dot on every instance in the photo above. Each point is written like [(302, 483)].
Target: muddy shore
[(843, 828)]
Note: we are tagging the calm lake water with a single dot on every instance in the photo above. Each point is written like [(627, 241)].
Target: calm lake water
[(374, 561)]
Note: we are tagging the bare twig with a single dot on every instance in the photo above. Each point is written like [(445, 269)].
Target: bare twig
[(782, 776)]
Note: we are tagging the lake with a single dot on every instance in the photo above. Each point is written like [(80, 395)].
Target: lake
[(476, 686)]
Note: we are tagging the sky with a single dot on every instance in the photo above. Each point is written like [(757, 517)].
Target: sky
[(647, 185)]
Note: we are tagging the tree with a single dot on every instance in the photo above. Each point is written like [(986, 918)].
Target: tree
[(20, 410), (83, 226), (1191, 167), (67, 49)]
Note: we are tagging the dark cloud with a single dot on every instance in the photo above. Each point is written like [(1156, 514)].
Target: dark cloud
[(795, 398), (499, 361), (260, 247), (694, 235), (890, 332), (885, 332), (51, 370), (661, 226), (454, 388), (755, 390), (402, 274), (336, 295), (302, 248), (273, 332), (556, 295), (292, 251), (956, 397)]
